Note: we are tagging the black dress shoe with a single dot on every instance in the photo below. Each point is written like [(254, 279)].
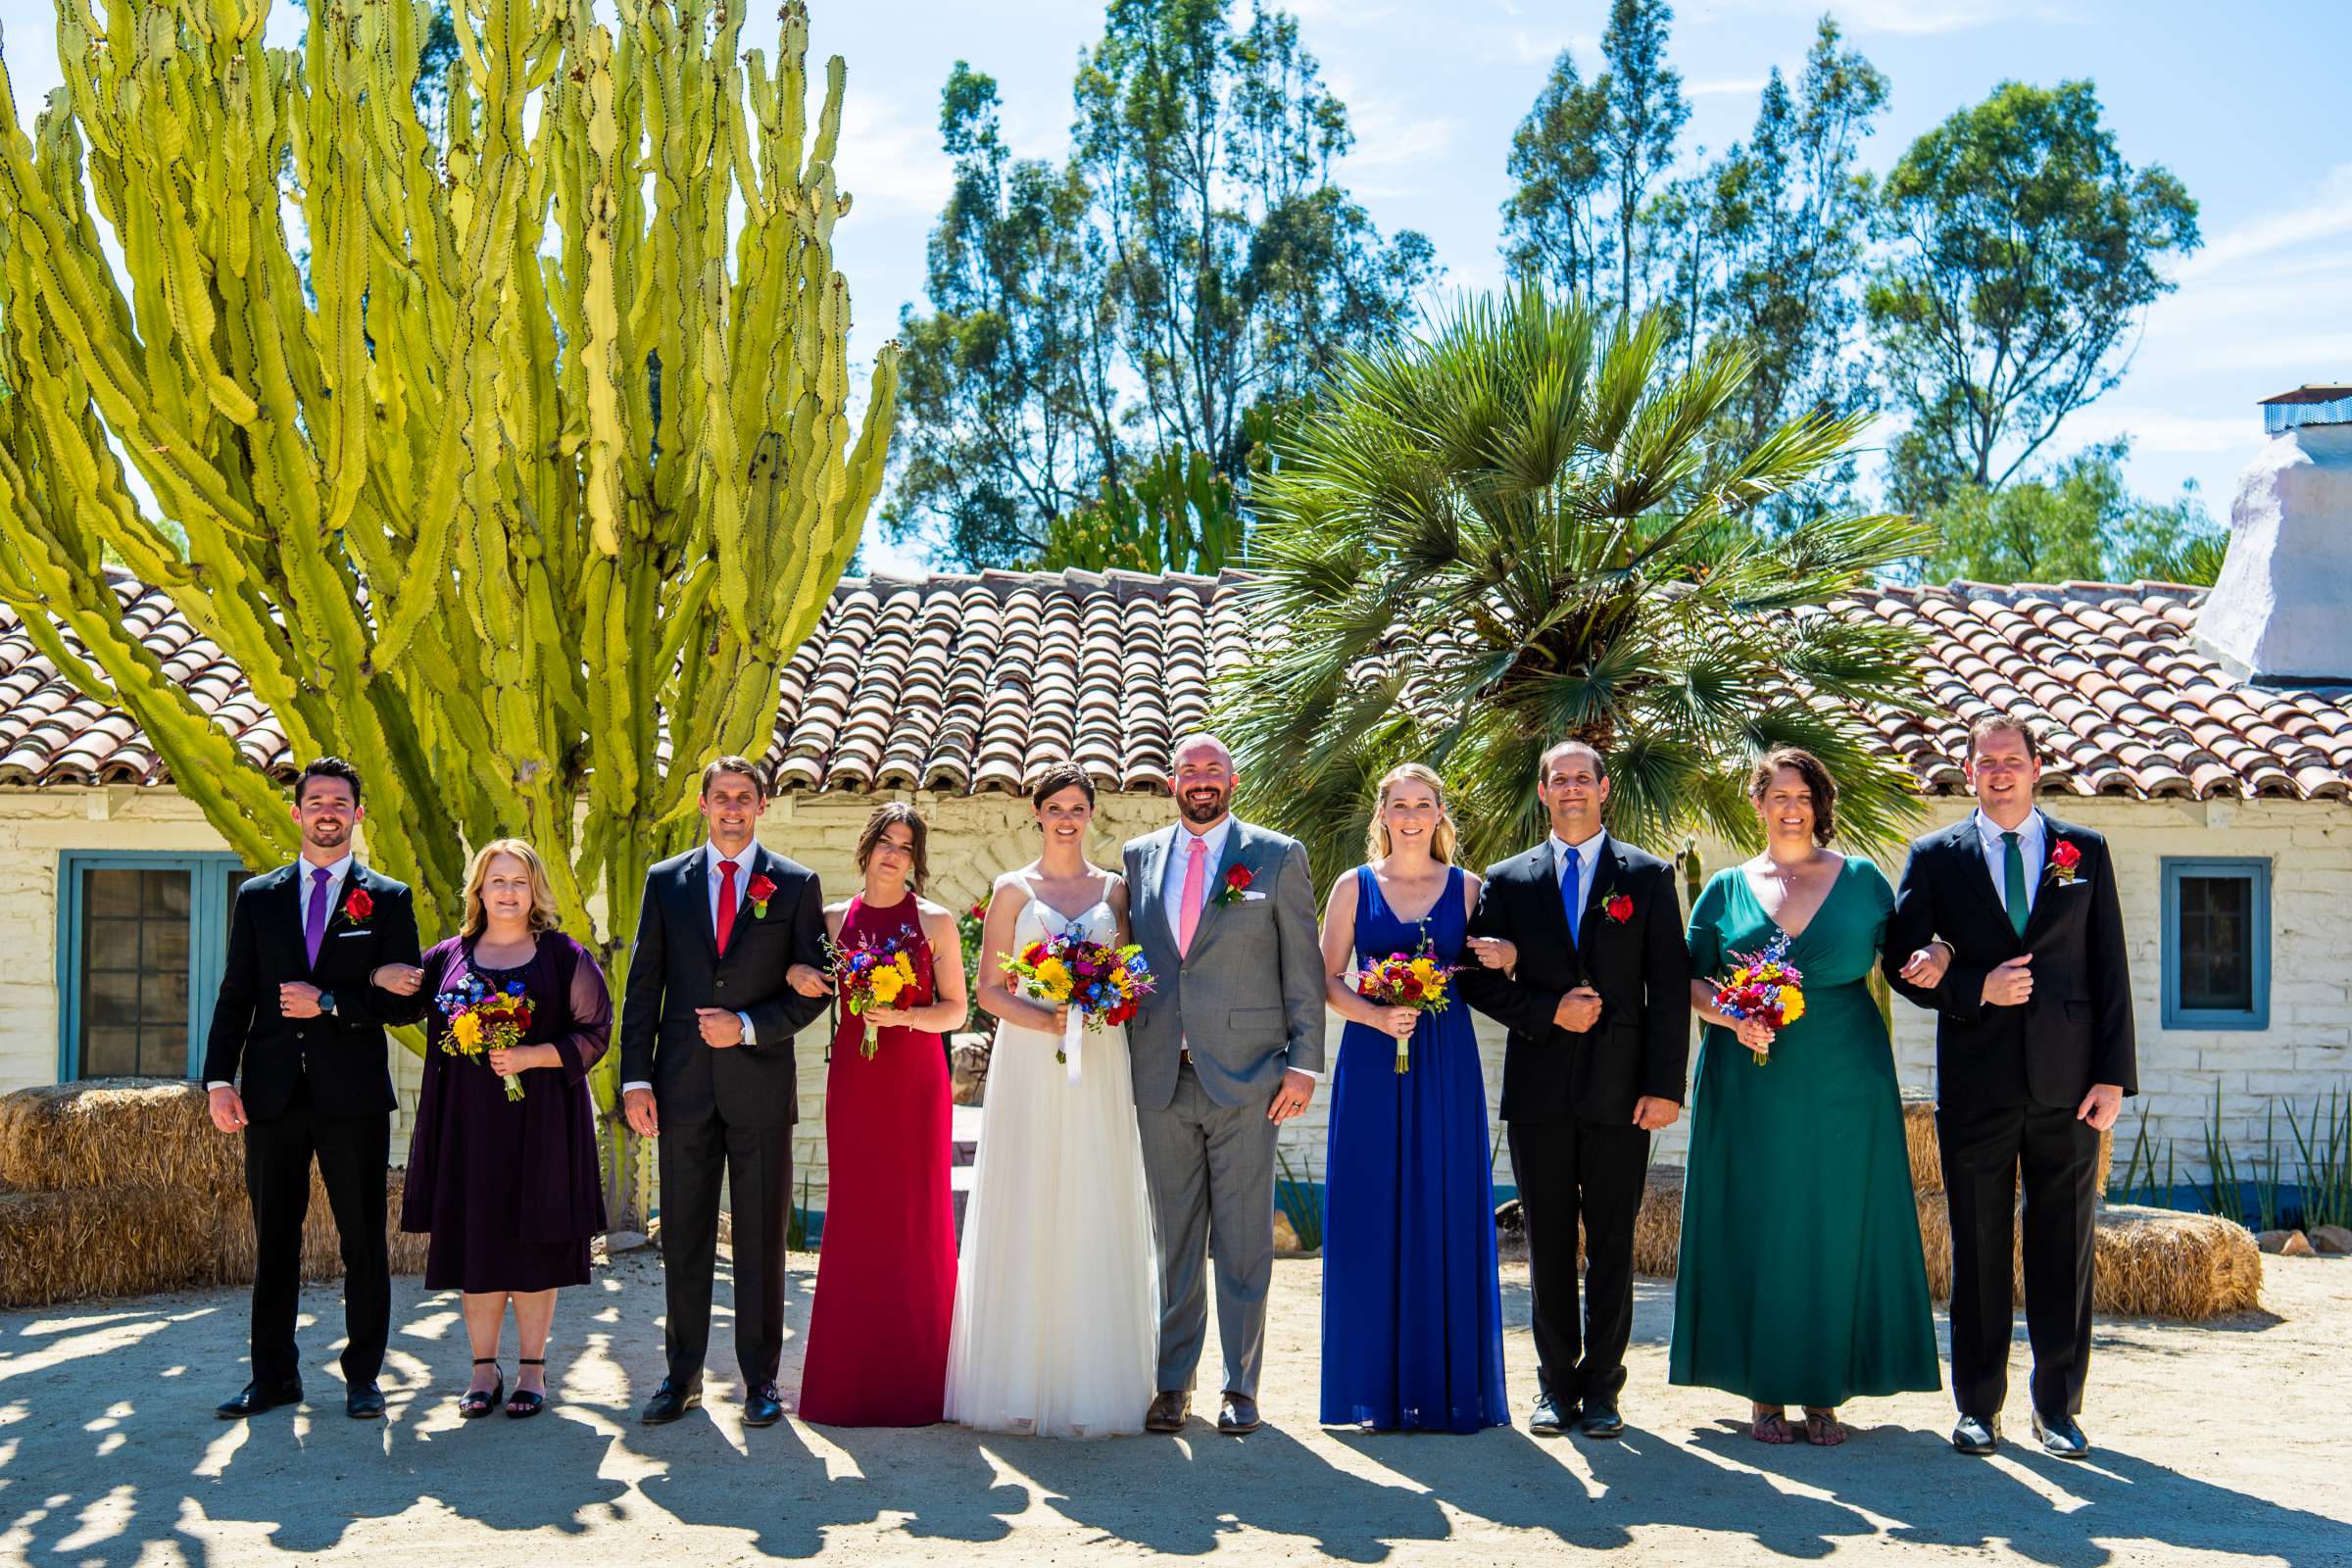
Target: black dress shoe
[(669, 1402), (1236, 1416), (1551, 1419), (763, 1406), (257, 1398), (363, 1401), (2060, 1438), (1975, 1434), (1169, 1407), (1601, 1420)]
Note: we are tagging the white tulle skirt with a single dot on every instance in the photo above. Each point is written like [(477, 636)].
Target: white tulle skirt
[(1057, 1284)]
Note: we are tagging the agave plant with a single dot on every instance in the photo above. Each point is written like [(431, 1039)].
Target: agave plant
[(1528, 526)]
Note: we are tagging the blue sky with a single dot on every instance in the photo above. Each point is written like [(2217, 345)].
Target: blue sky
[(2234, 99)]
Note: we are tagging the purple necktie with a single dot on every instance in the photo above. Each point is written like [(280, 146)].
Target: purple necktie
[(313, 923)]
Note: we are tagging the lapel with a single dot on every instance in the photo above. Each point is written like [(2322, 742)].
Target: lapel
[(2044, 901), (1975, 875), (288, 893), (1607, 868), (1153, 907), (1552, 915), (693, 885)]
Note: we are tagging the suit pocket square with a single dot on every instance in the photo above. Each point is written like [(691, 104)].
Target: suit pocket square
[(340, 935), (1254, 898)]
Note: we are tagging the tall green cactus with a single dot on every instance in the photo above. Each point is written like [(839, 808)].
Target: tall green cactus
[(523, 491)]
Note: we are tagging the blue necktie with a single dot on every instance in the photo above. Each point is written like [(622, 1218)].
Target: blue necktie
[(1570, 868)]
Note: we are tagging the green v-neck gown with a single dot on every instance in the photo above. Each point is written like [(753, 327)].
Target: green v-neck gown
[(1801, 1280)]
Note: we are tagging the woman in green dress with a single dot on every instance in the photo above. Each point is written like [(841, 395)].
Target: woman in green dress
[(1801, 1278)]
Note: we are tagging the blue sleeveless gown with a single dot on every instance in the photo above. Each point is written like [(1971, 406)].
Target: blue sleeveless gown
[(1412, 1310)]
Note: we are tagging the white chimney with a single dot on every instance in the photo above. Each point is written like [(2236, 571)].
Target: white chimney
[(2280, 613)]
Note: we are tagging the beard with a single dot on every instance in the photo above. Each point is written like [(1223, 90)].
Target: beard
[(1202, 813)]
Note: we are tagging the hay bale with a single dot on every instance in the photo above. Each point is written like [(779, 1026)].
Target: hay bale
[(1927, 1156), (136, 1132), (2159, 1263), (80, 1244)]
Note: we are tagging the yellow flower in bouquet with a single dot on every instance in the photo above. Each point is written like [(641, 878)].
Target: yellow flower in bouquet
[(887, 984), (467, 1027), (1054, 978)]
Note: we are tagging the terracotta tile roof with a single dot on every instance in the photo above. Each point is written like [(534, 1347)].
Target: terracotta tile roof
[(966, 684)]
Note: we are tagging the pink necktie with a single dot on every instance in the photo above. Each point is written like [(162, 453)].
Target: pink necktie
[(1196, 883)]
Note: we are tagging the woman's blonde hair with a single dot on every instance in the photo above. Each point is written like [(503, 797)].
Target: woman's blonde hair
[(1440, 843), (543, 892)]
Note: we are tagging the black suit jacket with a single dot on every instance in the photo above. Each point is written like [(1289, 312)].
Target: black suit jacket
[(675, 968), (1642, 1044), (343, 1057), (2076, 1030)]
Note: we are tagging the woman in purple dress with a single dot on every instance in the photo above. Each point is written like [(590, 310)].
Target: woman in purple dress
[(508, 1188)]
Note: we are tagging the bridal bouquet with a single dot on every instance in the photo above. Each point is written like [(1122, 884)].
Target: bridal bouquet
[(1415, 980), (1766, 987), (1098, 983), (870, 974), (483, 1019)]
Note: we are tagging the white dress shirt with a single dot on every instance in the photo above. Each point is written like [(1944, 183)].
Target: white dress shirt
[(2033, 841), (308, 889), (711, 879), (1588, 861)]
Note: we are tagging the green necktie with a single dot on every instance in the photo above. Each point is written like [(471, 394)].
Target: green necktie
[(2013, 880)]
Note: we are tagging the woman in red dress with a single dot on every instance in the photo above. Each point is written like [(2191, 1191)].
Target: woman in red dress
[(886, 1272)]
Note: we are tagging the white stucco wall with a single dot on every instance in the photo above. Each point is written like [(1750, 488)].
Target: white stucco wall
[(2305, 1053)]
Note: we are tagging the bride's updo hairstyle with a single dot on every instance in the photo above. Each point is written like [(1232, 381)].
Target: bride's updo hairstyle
[(1059, 776), (1441, 842)]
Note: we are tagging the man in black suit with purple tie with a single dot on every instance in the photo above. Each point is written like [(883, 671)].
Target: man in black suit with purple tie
[(297, 1061)]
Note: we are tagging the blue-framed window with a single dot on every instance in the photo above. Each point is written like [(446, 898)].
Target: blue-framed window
[(140, 939), (2217, 944)]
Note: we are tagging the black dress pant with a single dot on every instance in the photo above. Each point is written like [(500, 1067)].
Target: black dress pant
[(1986, 1154), (1568, 1171), (756, 1162), (353, 1154)]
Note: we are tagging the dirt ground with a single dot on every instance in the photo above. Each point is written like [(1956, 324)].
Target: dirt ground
[(2223, 1444)]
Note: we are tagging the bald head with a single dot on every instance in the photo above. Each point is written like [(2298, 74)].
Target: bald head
[(1202, 778)]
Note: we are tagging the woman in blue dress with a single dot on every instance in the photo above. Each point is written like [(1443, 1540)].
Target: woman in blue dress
[(1412, 1310)]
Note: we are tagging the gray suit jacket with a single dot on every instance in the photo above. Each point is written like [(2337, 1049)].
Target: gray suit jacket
[(1247, 999)]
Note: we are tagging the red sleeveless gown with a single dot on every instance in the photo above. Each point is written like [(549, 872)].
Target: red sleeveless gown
[(886, 1265)]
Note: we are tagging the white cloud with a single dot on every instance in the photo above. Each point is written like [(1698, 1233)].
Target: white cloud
[(2325, 214), (888, 163), (1725, 86)]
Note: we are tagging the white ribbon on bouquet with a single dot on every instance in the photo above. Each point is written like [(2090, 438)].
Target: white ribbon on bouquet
[(1072, 1032)]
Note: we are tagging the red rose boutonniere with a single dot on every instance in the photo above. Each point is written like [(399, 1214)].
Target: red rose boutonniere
[(759, 890), (2064, 858), (1617, 907), (1237, 883), (358, 905)]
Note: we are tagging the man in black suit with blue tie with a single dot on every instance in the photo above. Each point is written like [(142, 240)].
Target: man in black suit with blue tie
[(2034, 1055), (1579, 951), (297, 1061)]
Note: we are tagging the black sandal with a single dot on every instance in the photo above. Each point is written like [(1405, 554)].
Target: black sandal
[(477, 1402), (526, 1403)]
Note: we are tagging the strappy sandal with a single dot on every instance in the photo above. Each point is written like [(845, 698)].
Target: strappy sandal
[(1769, 1427), (478, 1403), (526, 1402), (1823, 1429)]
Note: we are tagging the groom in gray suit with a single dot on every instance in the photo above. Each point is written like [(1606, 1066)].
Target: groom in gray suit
[(1227, 1049)]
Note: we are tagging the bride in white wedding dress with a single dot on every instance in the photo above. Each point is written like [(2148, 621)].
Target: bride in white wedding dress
[(1057, 1284)]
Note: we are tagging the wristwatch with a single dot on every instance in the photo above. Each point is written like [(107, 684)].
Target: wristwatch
[(327, 1002)]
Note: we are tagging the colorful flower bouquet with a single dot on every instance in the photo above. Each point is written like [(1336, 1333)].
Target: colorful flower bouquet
[(1098, 983), (1766, 987), (483, 1019), (871, 974), (1415, 980)]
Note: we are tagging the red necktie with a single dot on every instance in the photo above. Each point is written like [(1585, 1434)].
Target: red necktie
[(726, 904)]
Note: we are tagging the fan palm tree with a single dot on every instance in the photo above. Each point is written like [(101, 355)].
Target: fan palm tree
[(1525, 527)]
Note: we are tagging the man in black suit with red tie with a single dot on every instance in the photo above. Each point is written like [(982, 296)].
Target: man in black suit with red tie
[(297, 1061), (706, 1067), (1580, 951), (2034, 1055)]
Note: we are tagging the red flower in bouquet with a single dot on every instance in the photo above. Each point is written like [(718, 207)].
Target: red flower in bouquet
[(759, 890), (2065, 857), (358, 905), (1237, 883)]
